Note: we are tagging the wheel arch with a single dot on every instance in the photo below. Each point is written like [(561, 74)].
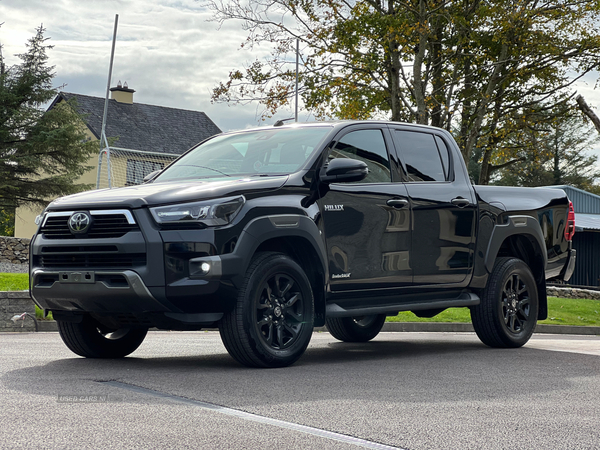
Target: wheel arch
[(521, 237), (299, 237)]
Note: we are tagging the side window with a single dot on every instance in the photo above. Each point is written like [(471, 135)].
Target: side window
[(367, 146), (420, 154), (443, 148)]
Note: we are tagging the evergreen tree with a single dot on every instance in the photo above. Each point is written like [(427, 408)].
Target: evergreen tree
[(42, 153)]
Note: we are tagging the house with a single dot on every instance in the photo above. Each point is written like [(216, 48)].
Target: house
[(587, 236), (143, 139)]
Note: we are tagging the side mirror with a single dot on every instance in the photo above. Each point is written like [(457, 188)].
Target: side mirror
[(150, 176), (344, 169)]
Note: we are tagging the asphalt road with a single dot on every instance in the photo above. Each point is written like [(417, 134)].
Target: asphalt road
[(403, 390)]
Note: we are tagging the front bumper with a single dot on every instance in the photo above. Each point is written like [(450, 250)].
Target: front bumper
[(145, 274), (93, 291)]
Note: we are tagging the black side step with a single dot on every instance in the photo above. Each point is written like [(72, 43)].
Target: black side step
[(464, 299)]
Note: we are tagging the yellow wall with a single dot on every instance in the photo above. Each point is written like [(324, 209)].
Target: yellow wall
[(24, 221)]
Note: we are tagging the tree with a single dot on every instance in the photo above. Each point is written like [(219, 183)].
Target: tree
[(7, 223), (477, 68), (41, 153), (588, 112), (561, 142)]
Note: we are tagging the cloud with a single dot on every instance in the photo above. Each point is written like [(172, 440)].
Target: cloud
[(167, 50)]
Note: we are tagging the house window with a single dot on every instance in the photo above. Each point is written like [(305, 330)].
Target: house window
[(137, 170)]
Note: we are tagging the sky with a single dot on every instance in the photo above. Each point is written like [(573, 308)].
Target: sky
[(168, 51)]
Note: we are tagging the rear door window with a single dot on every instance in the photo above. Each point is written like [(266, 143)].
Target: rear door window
[(421, 156)]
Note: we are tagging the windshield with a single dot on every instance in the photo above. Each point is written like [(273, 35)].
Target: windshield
[(270, 151)]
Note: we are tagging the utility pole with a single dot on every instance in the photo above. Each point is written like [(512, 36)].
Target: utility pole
[(297, 61), (103, 140)]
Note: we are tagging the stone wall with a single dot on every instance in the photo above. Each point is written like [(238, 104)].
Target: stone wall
[(567, 292), (14, 254), (13, 304)]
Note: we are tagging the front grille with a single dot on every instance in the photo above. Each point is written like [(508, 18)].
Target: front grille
[(105, 226), (88, 261), (81, 249)]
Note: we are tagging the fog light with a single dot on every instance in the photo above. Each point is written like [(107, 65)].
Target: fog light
[(205, 267)]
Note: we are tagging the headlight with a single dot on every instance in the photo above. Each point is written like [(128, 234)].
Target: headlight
[(210, 213)]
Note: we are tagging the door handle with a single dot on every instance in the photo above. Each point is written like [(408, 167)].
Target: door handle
[(397, 202), (460, 202)]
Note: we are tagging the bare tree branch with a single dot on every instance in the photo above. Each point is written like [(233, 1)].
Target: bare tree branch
[(584, 107)]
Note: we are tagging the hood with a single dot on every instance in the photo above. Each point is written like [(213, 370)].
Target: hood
[(154, 194)]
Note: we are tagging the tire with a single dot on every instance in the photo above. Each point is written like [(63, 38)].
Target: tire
[(272, 321), (507, 314), (355, 329), (90, 339)]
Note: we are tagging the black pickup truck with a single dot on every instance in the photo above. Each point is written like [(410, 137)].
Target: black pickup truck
[(267, 233)]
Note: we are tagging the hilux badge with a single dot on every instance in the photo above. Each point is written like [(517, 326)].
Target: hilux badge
[(334, 207), (79, 222)]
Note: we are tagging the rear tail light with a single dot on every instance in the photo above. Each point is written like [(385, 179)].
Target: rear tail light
[(570, 228)]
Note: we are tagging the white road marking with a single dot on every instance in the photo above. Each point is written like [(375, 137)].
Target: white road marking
[(254, 417), (583, 346)]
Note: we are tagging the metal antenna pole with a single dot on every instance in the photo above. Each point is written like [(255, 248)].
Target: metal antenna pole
[(297, 58), (103, 139)]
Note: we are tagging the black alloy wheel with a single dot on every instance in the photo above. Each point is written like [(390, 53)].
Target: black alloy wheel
[(507, 314), (516, 305), (279, 311), (272, 322)]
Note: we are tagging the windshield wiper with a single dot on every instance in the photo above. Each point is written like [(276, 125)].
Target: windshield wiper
[(209, 168)]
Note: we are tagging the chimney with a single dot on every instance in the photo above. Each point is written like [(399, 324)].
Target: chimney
[(122, 94)]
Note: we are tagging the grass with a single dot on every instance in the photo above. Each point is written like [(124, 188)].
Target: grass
[(561, 311), (568, 311), (14, 281)]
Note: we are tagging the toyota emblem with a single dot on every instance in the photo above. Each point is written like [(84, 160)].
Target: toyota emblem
[(79, 222)]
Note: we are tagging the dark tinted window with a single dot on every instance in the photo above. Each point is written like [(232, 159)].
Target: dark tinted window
[(420, 154), (367, 146)]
